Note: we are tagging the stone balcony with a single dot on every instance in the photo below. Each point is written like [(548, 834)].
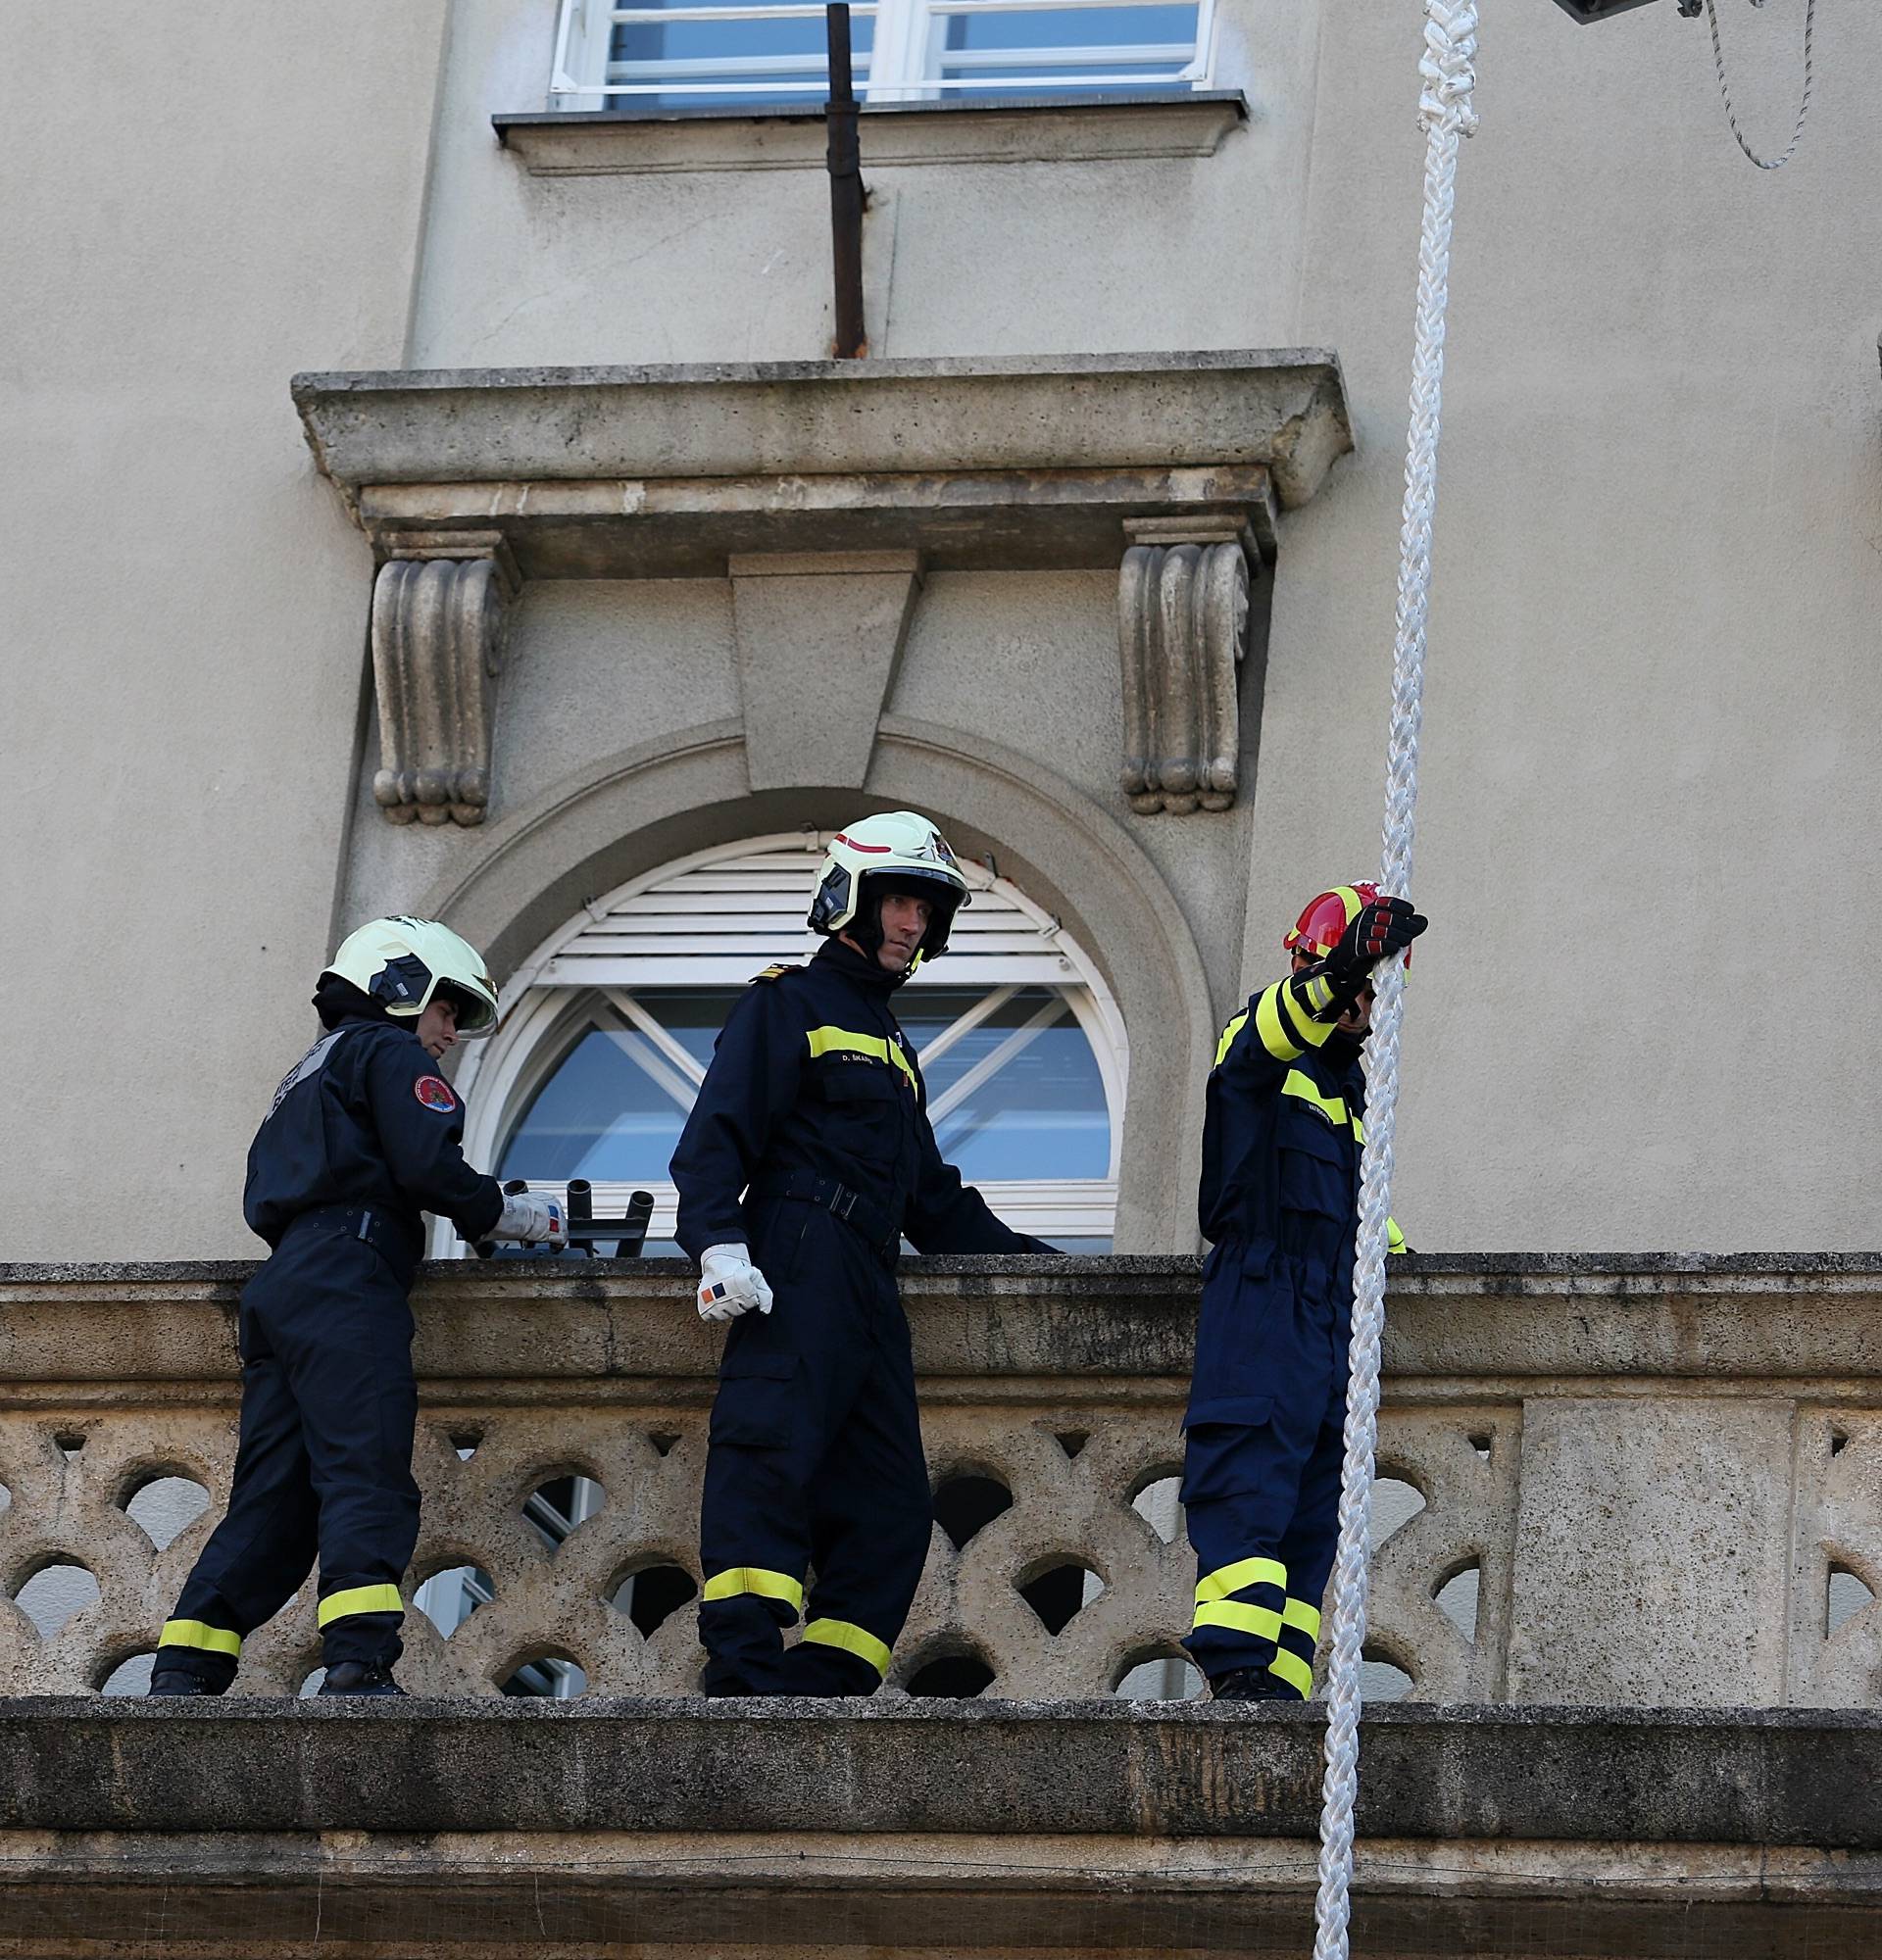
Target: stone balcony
[(1650, 1469), (1647, 1738)]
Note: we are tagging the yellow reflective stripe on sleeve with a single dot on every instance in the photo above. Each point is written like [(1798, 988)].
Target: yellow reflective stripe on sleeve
[(359, 1600), (1292, 1669), (1245, 1572), (851, 1639), (1260, 1621), (841, 1041), (1302, 1025), (1319, 990), (738, 1580), (205, 1638), (1329, 1106), (1298, 1613), (1267, 1024), (1394, 1238), (1230, 1033)]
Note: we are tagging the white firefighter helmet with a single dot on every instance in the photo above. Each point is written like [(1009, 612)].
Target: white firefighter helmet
[(896, 852), (403, 962)]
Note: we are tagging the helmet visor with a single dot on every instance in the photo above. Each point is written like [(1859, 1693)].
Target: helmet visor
[(476, 1013)]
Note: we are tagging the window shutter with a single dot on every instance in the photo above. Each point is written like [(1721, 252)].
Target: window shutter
[(716, 924)]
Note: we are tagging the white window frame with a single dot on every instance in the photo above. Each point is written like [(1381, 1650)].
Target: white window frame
[(554, 991), (903, 65)]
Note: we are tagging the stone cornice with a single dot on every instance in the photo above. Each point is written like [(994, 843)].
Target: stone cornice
[(669, 470)]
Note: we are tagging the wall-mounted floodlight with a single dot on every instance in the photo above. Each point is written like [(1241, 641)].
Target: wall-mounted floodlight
[(1585, 10)]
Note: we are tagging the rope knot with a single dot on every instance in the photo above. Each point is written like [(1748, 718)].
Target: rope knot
[(1449, 48)]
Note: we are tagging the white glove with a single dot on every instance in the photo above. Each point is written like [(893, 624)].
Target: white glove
[(532, 1218), (731, 1285)]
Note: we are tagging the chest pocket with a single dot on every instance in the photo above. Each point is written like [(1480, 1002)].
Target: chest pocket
[(853, 1083), (1316, 1161)]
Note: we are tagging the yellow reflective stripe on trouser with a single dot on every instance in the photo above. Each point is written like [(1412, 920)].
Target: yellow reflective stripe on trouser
[(1260, 1621), (1292, 1669), (1306, 1618), (359, 1600), (205, 1638), (1245, 1572), (1267, 1024), (851, 1639), (841, 1041), (737, 1579), (1329, 1106), (1230, 1033)]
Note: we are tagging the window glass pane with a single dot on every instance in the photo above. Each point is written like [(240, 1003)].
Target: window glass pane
[(697, 60), (1073, 27), (599, 1115), (1040, 1113)]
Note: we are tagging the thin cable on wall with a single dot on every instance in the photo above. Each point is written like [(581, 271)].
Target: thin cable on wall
[(1447, 115), (1724, 87)]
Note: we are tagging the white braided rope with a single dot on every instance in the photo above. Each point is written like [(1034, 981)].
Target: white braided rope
[(1446, 116)]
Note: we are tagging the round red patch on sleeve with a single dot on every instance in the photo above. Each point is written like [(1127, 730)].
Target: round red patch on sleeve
[(436, 1093)]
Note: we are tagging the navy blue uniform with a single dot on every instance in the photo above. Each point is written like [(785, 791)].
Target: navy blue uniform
[(1279, 1197), (363, 1135), (814, 1108)]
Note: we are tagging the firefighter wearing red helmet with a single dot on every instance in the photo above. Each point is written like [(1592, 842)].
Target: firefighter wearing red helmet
[(1279, 1199)]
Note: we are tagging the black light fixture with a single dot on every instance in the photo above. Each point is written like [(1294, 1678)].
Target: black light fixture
[(1586, 11)]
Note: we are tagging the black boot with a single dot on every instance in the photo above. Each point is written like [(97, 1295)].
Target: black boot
[(177, 1680), (1251, 1684), (359, 1677)]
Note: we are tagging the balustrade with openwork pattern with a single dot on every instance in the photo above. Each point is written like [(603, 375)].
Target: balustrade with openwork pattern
[(1644, 1481)]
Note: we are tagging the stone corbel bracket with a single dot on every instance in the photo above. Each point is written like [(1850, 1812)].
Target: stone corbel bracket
[(1182, 629), (439, 606)]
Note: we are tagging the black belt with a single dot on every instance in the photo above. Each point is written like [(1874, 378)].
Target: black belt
[(870, 1222), (390, 1236)]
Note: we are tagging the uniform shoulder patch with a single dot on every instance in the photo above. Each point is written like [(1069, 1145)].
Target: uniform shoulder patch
[(775, 973), (436, 1093)]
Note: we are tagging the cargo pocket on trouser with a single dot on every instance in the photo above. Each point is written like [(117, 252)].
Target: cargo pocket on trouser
[(754, 1511), (754, 1405)]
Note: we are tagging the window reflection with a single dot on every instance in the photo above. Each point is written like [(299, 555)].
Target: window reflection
[(1014, 1091)]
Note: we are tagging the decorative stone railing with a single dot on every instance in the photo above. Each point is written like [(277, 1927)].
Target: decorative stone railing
[(1656, 1469)]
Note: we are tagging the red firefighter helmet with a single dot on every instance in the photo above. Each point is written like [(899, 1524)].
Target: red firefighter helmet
[(1316, 932)]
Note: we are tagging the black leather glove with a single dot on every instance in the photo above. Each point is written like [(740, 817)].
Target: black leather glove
[(1384, 928)]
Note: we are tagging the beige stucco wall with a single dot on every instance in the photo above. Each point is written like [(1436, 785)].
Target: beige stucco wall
[(202, 199), (1651, 743), (1650, 738)]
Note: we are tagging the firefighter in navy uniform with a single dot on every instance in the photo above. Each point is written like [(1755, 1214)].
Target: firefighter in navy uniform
[(363, 1135), (1279, 1198), (814, 1108)]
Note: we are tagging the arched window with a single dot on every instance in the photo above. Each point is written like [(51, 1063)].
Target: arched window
[(611, 1027)]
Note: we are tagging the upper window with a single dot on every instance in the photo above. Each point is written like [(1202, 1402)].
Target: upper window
[(731, 54), (600, 1055)]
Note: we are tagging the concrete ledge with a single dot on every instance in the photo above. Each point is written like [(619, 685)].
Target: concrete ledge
[(924, 1829), (1100, 1328), (1044, 130), (1166, 1770)]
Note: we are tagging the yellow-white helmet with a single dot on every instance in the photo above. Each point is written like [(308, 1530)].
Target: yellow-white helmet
[(897, 851), (402, 963)]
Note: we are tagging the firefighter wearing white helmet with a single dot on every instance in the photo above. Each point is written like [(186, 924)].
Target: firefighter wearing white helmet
[(405, 964), (364, 1136), (807, 1157), (898, 852)]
